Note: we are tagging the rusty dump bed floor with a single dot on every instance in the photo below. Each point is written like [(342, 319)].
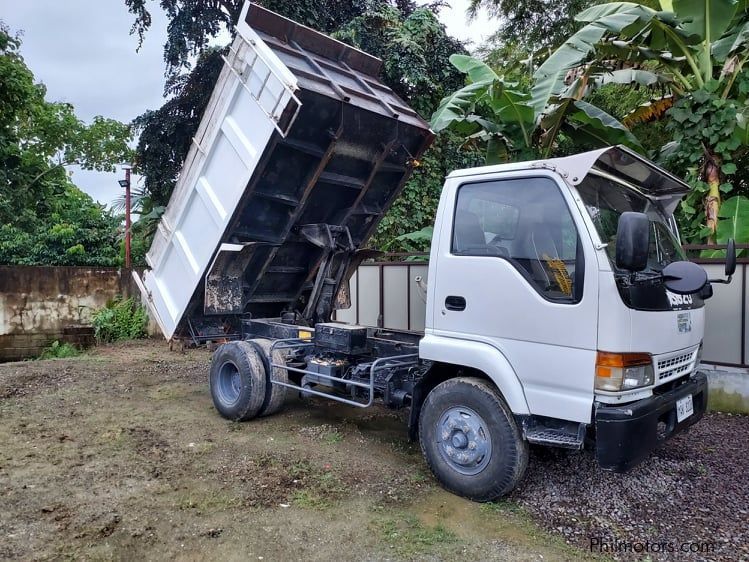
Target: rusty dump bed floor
[(344, 159)]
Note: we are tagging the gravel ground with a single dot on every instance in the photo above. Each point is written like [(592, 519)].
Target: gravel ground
[(692, 494)]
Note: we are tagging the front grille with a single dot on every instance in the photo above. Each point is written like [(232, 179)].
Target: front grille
[(676, 366)]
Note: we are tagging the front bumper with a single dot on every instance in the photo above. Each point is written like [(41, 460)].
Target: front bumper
[(626, 434)]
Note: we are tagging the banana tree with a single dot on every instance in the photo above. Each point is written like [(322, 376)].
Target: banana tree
[(698, 50), (508, 121)]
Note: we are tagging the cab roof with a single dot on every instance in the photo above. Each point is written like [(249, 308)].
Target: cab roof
[(618, 161)]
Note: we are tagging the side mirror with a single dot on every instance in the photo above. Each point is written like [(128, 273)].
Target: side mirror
[(730, 263), (632, 241), (684, 277), (731, 258)]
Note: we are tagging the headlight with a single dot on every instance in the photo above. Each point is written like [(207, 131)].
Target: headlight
[(616, 372)]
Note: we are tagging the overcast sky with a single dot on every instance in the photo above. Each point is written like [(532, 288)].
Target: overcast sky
[(83, 52)]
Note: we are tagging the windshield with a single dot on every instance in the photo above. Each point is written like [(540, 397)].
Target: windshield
[(606, 200)]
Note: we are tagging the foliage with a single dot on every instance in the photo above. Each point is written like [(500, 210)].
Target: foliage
[(622, 100), (44, 218), (120, 320), (47, 131), (531, 25), (417, 241), (703, 119), (416, 206), (74, 230), (415, 50), (60, 350), (697, 50), (193, 23), (511, 122)]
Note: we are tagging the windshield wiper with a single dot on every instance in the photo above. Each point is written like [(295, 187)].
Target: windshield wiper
[(639, 277)]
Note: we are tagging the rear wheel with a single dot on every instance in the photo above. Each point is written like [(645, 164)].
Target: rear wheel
[(275, 394), (237, 381), (470, 439)]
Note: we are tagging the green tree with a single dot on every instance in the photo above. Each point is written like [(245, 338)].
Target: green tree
[(415, 50), (511, 122), (73, 231), (531, 25), (415, 208), (698, 50), (45, 218), (194, 23)]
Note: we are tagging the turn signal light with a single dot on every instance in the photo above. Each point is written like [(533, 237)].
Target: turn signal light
[(616, 372)]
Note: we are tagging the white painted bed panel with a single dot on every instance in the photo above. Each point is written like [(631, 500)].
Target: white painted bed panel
[(253, 90)]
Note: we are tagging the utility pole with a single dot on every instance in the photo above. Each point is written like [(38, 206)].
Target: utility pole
[(126, 184)]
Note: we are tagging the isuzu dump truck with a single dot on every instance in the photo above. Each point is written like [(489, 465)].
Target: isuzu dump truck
[(561, 310)]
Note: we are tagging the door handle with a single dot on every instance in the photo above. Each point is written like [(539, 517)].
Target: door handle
[(455, 303)]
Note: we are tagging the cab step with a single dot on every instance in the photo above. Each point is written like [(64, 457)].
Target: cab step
[(570, 437)]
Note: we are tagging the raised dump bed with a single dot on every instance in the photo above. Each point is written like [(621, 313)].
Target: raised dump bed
[(300, 152)]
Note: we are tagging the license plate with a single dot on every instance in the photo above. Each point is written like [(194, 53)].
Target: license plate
[(684, 408)]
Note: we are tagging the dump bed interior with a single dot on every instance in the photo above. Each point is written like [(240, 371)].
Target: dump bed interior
[(340, 154)]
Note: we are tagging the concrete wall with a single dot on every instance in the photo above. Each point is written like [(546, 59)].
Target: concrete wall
[(39, 305)]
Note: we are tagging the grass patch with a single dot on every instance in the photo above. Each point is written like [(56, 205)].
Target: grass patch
[(333, 437), (418, 477), (410, 538), (501, 506), (307, 499), (319, 489), (60, 350), (207, 501), (113, 437)]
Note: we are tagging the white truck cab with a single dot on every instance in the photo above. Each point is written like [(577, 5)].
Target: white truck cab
[(525, 285)]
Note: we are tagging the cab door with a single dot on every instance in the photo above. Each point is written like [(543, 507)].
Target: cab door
[(516, 269)]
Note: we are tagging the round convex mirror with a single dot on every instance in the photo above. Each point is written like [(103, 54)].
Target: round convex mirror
[(684, 277)]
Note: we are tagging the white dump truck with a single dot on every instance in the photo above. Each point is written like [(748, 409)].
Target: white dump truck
[(561, 310)]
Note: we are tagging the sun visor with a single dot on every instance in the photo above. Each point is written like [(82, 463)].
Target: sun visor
[(623, 163)]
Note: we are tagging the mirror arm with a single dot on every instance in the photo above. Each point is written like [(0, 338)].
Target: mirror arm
[(725, 281)]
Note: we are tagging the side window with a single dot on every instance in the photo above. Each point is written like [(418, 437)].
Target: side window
[(527, 222)]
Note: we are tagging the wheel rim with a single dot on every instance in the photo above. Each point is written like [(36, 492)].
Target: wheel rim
[(229, 383), (463, 440)]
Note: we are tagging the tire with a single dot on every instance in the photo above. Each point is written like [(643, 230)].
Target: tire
[(237, 381), (275, 395), (499, 456)]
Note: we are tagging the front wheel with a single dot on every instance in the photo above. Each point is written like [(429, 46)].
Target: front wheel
[(470, 439)]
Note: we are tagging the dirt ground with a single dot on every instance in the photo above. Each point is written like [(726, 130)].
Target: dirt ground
[(119, 454)]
